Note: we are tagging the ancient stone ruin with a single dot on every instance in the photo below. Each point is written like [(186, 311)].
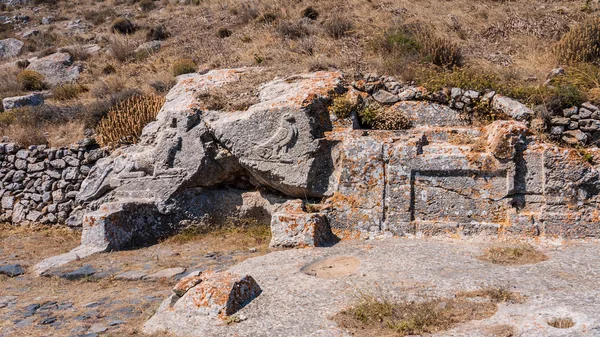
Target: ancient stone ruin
[(319, 178)]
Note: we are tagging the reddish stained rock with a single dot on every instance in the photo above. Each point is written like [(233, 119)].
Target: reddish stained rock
[(502, 136), (187, 283), (219, 295), (292, 227)]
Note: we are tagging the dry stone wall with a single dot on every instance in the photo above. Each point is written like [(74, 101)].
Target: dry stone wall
[(39, 184)]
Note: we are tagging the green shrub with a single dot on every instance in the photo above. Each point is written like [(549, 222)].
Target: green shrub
[(125, 121), (31, 80), (581, 43), (377, 117), (123, 26), (342, 106), (184, 66)]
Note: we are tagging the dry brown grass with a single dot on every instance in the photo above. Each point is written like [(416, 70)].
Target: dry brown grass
[(562, 323), (125, 121), (379, 316), (509, 37), (509, 254)]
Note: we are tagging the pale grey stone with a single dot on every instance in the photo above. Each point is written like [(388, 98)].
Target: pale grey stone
[(10, 48), (385, 97), (164, 274), (33, 99), (131, 275), (511, 107), (57, 68)]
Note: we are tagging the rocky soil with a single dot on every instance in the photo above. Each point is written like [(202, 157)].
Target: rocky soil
[(295, 303), (111, 294), (301, 289)]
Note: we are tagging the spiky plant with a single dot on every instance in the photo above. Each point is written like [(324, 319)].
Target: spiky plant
[(124, 122)]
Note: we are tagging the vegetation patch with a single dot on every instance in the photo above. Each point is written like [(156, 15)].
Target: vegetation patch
[(184, 66), (581, 43), (31, 80), (562, 323), (509, 254), (125, 121), (245, 233), (375, 316)]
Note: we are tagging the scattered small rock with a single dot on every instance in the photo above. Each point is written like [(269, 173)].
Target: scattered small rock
[(12, 270)]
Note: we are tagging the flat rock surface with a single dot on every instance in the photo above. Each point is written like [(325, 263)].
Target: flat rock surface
[(294, 303)]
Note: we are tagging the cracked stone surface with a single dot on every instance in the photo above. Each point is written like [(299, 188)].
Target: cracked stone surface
[(293, 303)]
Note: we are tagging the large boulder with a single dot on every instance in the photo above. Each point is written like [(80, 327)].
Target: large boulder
[(57, 68), (34, 99), (10, 48), (513, 108), (285, 149)]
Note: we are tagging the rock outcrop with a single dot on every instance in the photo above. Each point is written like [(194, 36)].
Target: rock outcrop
[(57, 68), (442, 175), (10, 48)]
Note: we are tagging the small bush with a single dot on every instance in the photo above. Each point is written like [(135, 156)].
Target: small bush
[(267, 17), (338, 27), (342, 106), (581, 43), (310, 13), (513, 254), (108, 69), (98, 17), (373, 115), (122, 48), (68, 91), (184, 66), (125, 121), (410, 43), (146, 5), (31, 80), (223, 32), (293, 30), (123, 26), (157, 33)]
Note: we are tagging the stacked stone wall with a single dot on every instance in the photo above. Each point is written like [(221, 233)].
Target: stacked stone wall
[(39, 184)]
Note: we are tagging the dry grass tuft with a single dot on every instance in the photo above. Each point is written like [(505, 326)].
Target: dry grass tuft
[(184, 66), (562, 323), (378, 117), (31, 80), (68, 91), (248, 232), (125, 121), (374, 316), (509, 254), (122, 25)]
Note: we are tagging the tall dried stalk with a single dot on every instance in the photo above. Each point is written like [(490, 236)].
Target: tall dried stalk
[(125, 122)]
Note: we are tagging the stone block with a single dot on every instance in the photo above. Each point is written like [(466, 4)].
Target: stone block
[(218, 295), (291, 227)]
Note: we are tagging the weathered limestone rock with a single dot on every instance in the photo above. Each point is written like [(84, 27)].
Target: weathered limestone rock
[(57, 68), (34, 99), (218, 295), (441, 176), (285, 151), (187, 283), (511, 107), (502, 138), (10, 48), (292, 227)]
